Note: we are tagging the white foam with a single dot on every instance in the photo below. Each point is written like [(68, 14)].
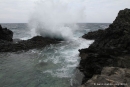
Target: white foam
[(65, 56), (57, 18), (25, 38)]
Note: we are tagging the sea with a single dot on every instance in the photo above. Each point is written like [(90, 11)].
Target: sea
[(51, 66)]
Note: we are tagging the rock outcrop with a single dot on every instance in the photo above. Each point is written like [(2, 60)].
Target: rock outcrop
[(117, 36), (6, 34), (110, 77), (8, 45), (33, 43), (111, 47), (94, 34)]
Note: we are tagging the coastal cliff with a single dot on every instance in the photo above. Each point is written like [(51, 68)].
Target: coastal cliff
[(111, 49)]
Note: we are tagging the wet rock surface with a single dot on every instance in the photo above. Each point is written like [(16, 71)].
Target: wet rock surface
[(111, 48), (110, 77), (7, 44)]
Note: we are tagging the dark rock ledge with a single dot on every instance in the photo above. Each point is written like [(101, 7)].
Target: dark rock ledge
[(7, 44), (111, 49), (110, 77)]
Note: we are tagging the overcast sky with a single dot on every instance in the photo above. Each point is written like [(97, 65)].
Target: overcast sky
[(97, 11)]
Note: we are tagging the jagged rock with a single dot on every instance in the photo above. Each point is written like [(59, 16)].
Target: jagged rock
[(33, 43), (6, 34), (116, 36), (110, 77), (111, 47), (94, 34), (7, 44)]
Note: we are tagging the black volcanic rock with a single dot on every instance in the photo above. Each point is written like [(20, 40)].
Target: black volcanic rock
[(110, 77), (6, 34), (33, 43), (7, 44), (111, 47), (117, 36), (0, 27), (94, 34)]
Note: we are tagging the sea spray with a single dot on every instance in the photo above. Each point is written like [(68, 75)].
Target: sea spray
[(56, 18)]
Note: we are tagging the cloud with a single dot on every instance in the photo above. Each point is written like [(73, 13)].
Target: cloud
[(96, 10), (104, 10), (15, 10)]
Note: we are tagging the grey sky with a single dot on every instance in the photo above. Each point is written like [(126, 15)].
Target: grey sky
[(97, 11)]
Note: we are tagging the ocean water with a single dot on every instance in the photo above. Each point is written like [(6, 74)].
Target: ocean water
[(52, 66)]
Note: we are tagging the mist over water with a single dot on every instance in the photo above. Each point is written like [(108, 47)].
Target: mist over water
[(56, 18)]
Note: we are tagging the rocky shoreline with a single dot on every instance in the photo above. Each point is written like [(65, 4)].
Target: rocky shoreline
[(7, 44), (106, 61), (108, 58)]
